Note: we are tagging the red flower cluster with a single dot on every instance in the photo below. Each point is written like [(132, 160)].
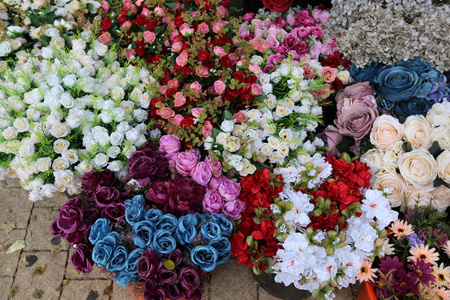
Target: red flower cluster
[(258, 192), (345, 188)]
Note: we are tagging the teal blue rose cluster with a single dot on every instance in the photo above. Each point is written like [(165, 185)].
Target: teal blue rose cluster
[(203, 237), (407, 88)]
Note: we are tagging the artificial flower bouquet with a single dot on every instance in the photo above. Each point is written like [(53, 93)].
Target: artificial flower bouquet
[(312, 236), (194, 52), (416, 265), (26, 25), (66, 112), (155, 226)]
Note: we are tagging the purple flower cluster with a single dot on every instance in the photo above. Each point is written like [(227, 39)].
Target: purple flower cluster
[(166, 277), (222, 197), (147, 164), (398, 280)]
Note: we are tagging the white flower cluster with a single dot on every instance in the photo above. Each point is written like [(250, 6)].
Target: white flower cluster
[(39, 18), (277, 130), (70, 112), (391, 31), (307, 265), (418, 168)]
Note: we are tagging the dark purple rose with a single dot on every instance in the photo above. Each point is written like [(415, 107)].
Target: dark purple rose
[(74, 202), (189, 279), (125, 196), (160, 191), (81, 259), (70, 219), (90, 215), (105, 196), (142, 168), (148, 264), (176, 256), (196, 294), (54, 229), (213, 201), (166, 276), (229, 189), (108, 178), (174, 291), (114, 212), (149, 148), (152, 291), (90, 181), (135, 155)]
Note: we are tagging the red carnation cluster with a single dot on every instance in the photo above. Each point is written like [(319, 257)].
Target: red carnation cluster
[(258, 192), (345, 188)]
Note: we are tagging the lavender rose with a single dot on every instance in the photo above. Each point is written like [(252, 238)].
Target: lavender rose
[(229, 189), (332, 138), (169, 144), (201, 173), (214, 183), (215, 165), (233, 209), (213, 201), (186, 161), (355, 117), (358, 90)]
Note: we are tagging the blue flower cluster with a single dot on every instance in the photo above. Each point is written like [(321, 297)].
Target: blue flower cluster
[(204, 236), (409, 87)]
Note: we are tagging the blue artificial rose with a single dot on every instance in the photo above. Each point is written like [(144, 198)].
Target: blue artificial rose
[(210, 231), (118, 260), (124, 279), (416, 65), (104, 249), (168, 222), (99, 230), (223, 247), (135, 209), (143, 233), (415, 106), (202, 217), (399, 84), (432, 75), (367, 73), (205, 257), (225, 225), (153, 215), (163, 242), (131, 266), (186, 230)]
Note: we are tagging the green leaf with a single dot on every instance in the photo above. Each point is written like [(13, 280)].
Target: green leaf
[(16, 246), (89, 6), (37, 21), (67, 40), (169, 264), (37, 294), (345, 144), (171, 4), (227, 116)]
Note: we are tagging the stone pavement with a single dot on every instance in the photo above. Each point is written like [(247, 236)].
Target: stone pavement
[(41, 269)]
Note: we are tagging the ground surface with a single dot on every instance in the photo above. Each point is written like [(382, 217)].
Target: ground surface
[(41, 269)]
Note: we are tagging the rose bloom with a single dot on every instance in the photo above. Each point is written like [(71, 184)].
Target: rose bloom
[(386, 131), (329, 74), (441, 196), (418, 132), (165, 113), (355, 117), (278, 5), (202, 71), (418, 167), (395, 183), (418, 197), (443, 166), (358, 90)]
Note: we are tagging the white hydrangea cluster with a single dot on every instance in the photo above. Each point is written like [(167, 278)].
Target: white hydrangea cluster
[(279, 129), (38, 19), (391, 31), (70, 112), (305, 263)]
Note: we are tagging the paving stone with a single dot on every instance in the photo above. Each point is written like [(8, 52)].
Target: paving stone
[(39, 236), (12, 182), (15, 207), (120, 293), (87, 289), (8, 262), (57, 201), (45, 274), (344, 294), (207, 286), (234, 277), (5, 286)]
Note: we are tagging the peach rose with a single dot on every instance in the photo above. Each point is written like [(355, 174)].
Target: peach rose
[(165, 113), (443, 166), (418, 197), (395, 183), (418, 132), (441, 196), (418, 167), (386, 131)]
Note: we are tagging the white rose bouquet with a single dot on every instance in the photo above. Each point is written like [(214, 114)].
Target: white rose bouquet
[(68, 113), (413, 159), (280, 128)]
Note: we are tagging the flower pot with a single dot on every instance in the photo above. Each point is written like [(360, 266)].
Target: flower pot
[(279, 290), (366, 292)]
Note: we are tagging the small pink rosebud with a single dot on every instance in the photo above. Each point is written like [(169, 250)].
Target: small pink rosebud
[(196, 112), (219, 87), (177, 119), (182, 59), (105, 38), (105, 6), (180, 100), (256, 89), (202, 71), (149, 36), (177, 46), (126, 25), (196, 86)]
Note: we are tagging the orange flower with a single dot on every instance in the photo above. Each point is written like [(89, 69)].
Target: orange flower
[(429, 255), (366, 272), (401, 228)]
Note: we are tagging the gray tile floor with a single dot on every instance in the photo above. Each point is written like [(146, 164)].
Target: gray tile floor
[(41, 270)]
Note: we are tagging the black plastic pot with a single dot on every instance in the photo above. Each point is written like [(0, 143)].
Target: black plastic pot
[(279, 290)]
